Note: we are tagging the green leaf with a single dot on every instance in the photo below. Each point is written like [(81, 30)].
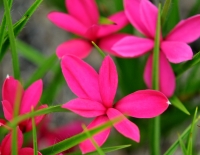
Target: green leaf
[(175, 145), (30, 53), (105, 149), (20, 26), (173, 18), (75, 140), (165, 11), (183, 148), (43, 69), (190, 138), (181, 68), (178, 104)]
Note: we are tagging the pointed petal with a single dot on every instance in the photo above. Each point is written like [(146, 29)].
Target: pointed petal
[(143, 104), (27, 125), (81, 78), (176, 52), (108, 81), (31, 97), (10, 88), (85, 108), (87, 146), (78, 47), (6, 142), (149, 14), (106, 43), (132, 46), (125, 127), (27, 151), (83, 10), (67, 23), (7, 110), (186, 31), (167, 80), (132, 11), (120, 21)]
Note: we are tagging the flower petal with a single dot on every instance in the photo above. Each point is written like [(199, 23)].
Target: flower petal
[(10, 89), (78, 47), (7, 110), (31, 97), (120, 21), (176, 52), (67, 22), (167, 80), (132, 46), (81, 78), (108, 81), (6, 142), (143, 104), (83, 10), (85, 108), (148, 14), (132, 11), (100, 138), (186, 31), (125, 127), (106, 43), (27, 151)]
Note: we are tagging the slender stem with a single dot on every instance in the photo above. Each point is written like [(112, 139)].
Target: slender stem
[(155, 149), (34, 132), (99, 50), (15, 61)]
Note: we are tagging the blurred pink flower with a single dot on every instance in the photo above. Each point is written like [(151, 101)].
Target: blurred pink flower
[(48, 137), (96, 94), (5, 148), (143, 16), (83, 20), (12, 91)]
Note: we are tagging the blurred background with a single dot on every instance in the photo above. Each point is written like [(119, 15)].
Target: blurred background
[(43, 37)]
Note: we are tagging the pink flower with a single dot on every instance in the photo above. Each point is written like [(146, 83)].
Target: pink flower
[(96, 94), (12, 91), (83, 20), (5, 148), (173, 47)]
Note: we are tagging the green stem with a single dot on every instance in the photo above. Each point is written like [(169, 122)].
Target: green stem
[(99, 50), (34, 132), (15, 61), (155, 149)]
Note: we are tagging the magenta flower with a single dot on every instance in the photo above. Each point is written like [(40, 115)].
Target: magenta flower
[(5, 148), (83, 20), (143, 16), (13, 90), (96, 96)]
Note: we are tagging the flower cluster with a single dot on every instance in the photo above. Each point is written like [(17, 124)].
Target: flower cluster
[(96, 91)]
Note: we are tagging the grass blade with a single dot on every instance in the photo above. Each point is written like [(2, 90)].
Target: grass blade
[(182, 145), (15, 61)]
